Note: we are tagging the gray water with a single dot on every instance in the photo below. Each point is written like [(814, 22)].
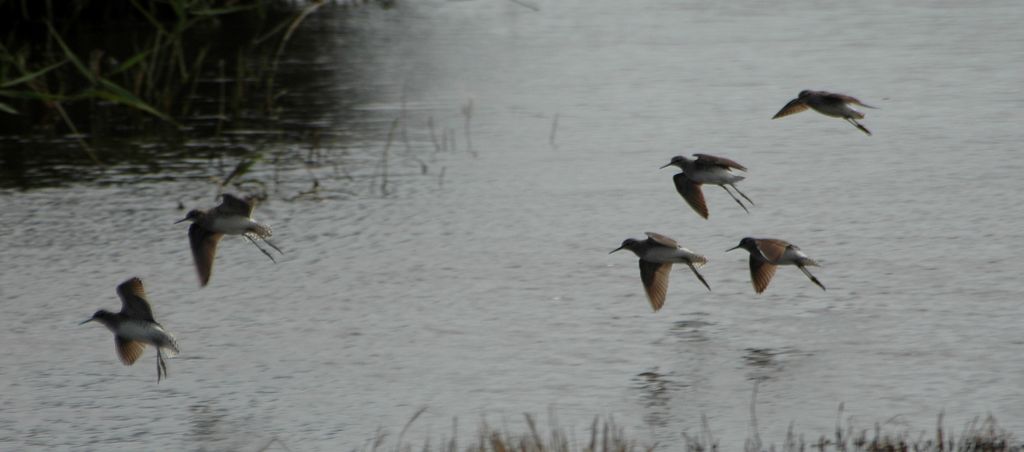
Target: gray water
[(487, 291)]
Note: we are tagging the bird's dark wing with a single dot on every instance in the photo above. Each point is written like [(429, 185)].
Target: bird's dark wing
[(761, 273), (692, 193), (833, 99), (662, 239), (794, 106), (836, 98), (234, 205), (133, 300), (204, 248), (128, 350), (772, 249), (718, 161), (655, 278)]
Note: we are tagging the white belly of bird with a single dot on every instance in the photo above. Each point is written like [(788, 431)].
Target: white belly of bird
[(234, 225), (794, 256), (150, 334), (715, 176)]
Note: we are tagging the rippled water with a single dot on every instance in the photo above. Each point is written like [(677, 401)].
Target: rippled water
[(486, 291)]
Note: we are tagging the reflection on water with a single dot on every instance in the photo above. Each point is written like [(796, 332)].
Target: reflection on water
[(767, 363), (691, 330), (207, 424), (656, 391)]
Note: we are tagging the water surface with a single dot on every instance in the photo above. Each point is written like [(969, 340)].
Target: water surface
[(486, 291)]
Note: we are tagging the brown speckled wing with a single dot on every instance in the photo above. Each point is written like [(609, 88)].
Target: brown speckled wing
[(133, 300), (233, 205), (772, 249), (655, 278), (794, 106), (761, 273), (204, 249), (662, 240), (718, 161), (129, 351), (692, 193)]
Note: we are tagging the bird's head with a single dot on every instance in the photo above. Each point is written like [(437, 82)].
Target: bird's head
[(103, 316), (747, 243), (192, 215), (628, 244), (678, 160)]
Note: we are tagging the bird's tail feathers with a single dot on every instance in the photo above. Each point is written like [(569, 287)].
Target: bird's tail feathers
[(170, 348), (262, 230), (697, 260)]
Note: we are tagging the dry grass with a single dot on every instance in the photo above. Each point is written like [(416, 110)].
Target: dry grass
[(979, 435), (602, 436)]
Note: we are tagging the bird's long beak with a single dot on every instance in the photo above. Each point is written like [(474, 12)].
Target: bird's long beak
[(730, 249), (179, 221), (666, 165), (616, 249), (87, 320)]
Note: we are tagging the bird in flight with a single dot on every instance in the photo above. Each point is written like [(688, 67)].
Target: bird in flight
[(706, 169), (828, 104), (233, 217), (134, 327), (766, 254), (657, 254)]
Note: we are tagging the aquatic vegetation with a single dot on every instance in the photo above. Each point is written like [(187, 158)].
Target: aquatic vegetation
[(57, 66), (977, 435), (604, 435), (204, 89)]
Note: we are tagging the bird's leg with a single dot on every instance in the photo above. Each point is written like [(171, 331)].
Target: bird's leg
[(159, 365), (163, 364), (699, 276), (735, 198), (741, 194), (809, 275), (858, 125), (268, 242), (259, 247)]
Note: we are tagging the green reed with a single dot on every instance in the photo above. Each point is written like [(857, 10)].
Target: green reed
[(149, 57)]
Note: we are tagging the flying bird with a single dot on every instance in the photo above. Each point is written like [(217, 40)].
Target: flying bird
[(706, 169), (657, 254), (828, 104), (134, 328), (233, 217), (766, 254)]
